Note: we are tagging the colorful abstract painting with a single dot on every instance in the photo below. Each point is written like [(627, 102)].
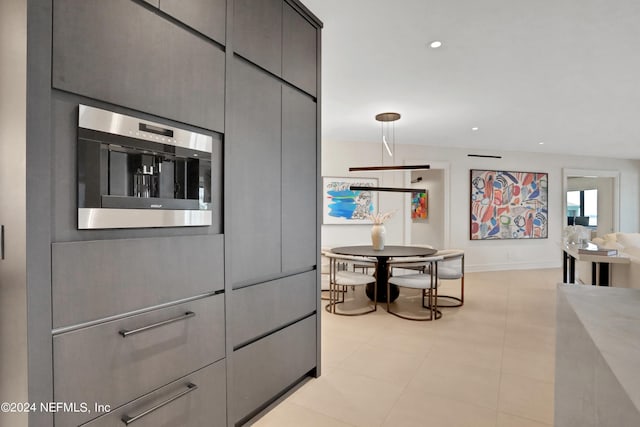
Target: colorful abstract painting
[(508, 205), (344, 206), (419, 205)]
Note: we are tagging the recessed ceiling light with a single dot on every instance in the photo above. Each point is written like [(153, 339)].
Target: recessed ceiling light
[(435, 44), (475, 128), (541, 143)]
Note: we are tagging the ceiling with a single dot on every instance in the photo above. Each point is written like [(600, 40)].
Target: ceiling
[(562, 72)]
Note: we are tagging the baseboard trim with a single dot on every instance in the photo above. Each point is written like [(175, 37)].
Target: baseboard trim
[(477, 268)]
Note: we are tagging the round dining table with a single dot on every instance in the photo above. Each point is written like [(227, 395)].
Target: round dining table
[(382, 268)]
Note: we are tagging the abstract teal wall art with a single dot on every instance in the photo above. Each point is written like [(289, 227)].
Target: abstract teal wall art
[(344, 206)]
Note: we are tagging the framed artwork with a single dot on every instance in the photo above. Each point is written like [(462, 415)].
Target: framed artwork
[(343, 206), (419, 205), (508, 205)]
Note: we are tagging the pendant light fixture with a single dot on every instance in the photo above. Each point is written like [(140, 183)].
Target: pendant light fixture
[(388, 128), (388, 125)]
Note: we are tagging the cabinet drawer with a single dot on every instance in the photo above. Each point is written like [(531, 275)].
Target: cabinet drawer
[(97, 279), (262, 308), (264, 369), (196, 400), (99, 364)]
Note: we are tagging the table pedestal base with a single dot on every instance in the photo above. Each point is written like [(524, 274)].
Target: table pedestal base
[(382, 275), (382, 293)]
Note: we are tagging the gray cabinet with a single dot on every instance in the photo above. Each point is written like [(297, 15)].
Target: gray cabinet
[(267, 367), (97, 279), (120, 52), (272, 149), (273, 35), (205, 16), (271, 222), (253, 188), (167, 61), (260, 309), (195, 400), (115, 362), (257, 32), (299, 50), (299, 178)]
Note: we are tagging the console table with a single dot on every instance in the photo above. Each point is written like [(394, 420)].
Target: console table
[(600, 271)]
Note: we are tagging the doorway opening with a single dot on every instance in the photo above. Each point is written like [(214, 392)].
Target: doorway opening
[(591, 199)]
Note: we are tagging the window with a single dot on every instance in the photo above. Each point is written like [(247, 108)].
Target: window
[(582, 207)]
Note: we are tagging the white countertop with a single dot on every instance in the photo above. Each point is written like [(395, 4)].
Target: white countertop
[(611, 317)]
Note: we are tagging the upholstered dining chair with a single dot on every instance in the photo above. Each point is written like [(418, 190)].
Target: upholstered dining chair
[(409, 264), (364, 265), (341, 278), (452, 268), (324, 274), (427, 282)]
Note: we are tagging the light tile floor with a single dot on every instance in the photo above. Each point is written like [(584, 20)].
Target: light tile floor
[(488, 363)]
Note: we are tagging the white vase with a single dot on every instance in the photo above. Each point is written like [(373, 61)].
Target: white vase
[(378, 233)]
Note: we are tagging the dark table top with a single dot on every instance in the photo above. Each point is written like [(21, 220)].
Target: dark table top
[(388, 251)]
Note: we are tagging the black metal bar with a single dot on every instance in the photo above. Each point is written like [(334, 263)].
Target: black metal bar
[(389, 189), (484, 155), (572, 269), (604, 274), (389, 168)]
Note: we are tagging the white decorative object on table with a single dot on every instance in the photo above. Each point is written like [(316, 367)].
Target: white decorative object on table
[(378, 232), (576, 235)]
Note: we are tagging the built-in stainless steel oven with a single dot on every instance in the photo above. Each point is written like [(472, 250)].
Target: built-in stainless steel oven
[(137, 173)]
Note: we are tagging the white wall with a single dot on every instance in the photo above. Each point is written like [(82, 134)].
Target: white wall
[(13, 279), (337, 157)]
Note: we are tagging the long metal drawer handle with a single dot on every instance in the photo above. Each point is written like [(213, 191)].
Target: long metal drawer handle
[(125, 333), (126, 419)]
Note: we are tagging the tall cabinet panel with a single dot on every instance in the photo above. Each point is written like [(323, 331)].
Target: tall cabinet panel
[(254, 163), (298, 180), (120, 52), (206, 16), (257, 32), (299, 50), (272, 242)]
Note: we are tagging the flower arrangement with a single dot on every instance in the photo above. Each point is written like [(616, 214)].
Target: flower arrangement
[(380, 217)]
